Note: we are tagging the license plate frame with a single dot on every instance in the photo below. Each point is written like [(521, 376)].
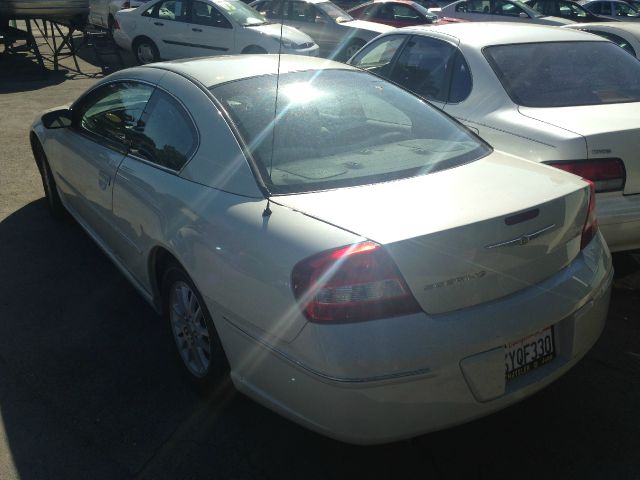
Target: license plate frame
[(529, 353)]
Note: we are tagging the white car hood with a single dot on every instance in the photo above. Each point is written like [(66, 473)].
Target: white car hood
[(611, 131), (289, 34)]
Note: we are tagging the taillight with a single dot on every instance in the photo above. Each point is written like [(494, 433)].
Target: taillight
[(116, 25), (607, 174), (126, 5), (591, 224), (352, 283)]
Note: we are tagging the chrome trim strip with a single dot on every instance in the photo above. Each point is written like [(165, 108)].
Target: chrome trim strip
[(522, 239)]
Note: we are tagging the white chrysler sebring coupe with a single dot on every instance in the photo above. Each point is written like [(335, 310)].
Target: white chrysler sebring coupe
[(537, 92), (171, 29), (364, 266)]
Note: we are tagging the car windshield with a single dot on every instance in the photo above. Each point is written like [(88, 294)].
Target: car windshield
[(335, 12), (561, 74), (338, 128), (241, 13)]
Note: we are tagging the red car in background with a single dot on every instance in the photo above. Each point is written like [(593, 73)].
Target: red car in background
[(398, 13)]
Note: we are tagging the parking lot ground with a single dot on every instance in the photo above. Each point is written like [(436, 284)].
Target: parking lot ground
[(90, 388)]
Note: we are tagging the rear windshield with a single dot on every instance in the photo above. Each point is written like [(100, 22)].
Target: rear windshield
[(562, 74), (340, 128)]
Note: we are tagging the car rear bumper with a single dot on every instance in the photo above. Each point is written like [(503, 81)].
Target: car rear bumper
[(619, 220), (461, 374)]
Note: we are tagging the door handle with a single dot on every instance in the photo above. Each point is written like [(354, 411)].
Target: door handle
[(104, 180), (196, 29), (160, 24)]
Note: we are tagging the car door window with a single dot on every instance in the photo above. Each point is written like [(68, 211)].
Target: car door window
[(507, 9), (175, 10), (405, 13), (602, 8), (111, 112), (474, 6), (166, 136), (423, 67), (370, 12), (376, 58), (625, 10), (304, 12), (206, 14)]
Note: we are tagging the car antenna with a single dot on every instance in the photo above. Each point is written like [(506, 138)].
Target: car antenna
[(267, 211)]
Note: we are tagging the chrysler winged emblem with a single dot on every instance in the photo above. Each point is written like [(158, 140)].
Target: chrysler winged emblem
[(522, 239)]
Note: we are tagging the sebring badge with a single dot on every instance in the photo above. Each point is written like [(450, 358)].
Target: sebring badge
[(523, 239)]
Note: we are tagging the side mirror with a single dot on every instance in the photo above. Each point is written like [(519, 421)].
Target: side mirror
[(57, 118), (523, 15)]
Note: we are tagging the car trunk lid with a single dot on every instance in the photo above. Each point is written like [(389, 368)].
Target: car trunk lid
[(611, 131), (467, 235)]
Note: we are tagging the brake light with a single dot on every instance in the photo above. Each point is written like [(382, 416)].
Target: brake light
[(607, 174), (352, 283), (591, 224)]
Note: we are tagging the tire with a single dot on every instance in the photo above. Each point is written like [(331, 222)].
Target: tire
[(56, 208), (254, 49), (197, 343), (350, 50), (145, 51)]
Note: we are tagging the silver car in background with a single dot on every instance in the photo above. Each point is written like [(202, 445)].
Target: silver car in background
[(337, 33), (364, 266), (497, 11)]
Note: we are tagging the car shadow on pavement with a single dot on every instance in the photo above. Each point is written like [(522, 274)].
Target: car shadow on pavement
[(91, 388)]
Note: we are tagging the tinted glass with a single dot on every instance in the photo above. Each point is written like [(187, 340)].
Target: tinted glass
[(240, 12), (423, 67), (460, 80), (303, 12), (166, 136), (206, 14), (341, 128), (112, 111), (625, 10), (376, 57), (558, 74), (475, 6)]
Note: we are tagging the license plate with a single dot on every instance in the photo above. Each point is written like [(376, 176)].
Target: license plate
[(529, 353)]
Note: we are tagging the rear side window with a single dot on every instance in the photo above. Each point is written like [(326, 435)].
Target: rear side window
[(111, 111), (460, 80), (560, 74), (423, 67), (376, 58), (341, 128), (166, 135)]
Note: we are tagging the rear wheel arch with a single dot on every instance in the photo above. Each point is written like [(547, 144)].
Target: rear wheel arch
[(159, 260)]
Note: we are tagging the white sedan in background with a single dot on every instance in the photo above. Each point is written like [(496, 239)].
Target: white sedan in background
[(497, 11), (171, 29), (102, 13), (623, 34), (366, 267), (553, 95)]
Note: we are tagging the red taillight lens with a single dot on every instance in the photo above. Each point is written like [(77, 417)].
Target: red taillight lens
[(353, 283), (591, 224), (608, 174), (116, 25)]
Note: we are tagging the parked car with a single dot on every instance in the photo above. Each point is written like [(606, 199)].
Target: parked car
[(497, 11), (623, 34), (170, 29), (365, 266), (337, 33), (565, 9), (537, 90), (616, 9), (102, 13), (398, 13)]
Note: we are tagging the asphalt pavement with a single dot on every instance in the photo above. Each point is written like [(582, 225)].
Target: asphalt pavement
[(90, 387)]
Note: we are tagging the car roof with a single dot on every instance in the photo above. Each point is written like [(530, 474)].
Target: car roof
[(212, 71), (483, 34)]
